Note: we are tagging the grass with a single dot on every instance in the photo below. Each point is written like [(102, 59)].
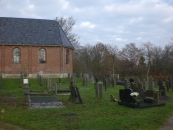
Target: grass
[(95, 114)]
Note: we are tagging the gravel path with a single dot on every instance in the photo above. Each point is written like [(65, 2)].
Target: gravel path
[(168, 125), (7, 126)]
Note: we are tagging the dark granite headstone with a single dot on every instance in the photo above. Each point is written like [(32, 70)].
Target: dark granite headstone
[(125, 95)]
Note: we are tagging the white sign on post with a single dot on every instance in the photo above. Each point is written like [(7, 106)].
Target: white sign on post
[(25, 81)]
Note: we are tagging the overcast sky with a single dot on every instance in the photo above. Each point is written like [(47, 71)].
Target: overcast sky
[(118, 22)]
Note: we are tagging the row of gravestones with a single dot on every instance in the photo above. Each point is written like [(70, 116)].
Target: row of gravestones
[(140, 86), (47, 83), (91, 77), (108, 81), (85, 77)]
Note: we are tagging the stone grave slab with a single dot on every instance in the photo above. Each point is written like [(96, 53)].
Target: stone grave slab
[(43, 99), (45, 102), (47, 105)]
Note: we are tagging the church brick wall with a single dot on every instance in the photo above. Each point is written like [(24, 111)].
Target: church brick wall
[(55, 59)]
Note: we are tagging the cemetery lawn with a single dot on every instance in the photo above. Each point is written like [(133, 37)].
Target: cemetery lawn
[(95, 114)]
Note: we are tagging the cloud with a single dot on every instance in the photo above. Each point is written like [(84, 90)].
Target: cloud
[(109, 21), (119, 39), (31, 6), (138, 38), (168, 20), (87, 25), (136, 20)]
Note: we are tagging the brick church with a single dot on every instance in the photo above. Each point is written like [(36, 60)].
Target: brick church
[(40, 45)]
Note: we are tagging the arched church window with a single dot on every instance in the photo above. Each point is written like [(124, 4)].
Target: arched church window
[(42, 56), (67, 56), (16, 55)]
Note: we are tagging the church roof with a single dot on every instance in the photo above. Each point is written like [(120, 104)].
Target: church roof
[(25, 31)]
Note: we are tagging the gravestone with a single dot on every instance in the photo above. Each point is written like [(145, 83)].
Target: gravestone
[(162, 89), (75, 95), (85, 80), (132, 86), (160, 83), (170, 83), (125, 95), (59, 80), (152, 94), (108, 82), (87, 76), (99, 89), (96, 89), (144, 84), (49, 84), (96, 79), (40, 80), (105, 84), (80, 75), (69, 76), (56, 88), (150, 83), (21, 79), (155, 83), (73, 78), (100, 85), (131, 80), (37, 78), (113, 82), (125, 84), (137, 80), (116, 76), (78, 99), (157, 96), (140, 90), (92, 79), (167, 85), (104, 81)]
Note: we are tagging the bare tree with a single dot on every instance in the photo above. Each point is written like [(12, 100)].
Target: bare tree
[(130, 55), (157, 59), (113, 50), (67, 25), (168, 57), (130, 52), (147, 52)]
